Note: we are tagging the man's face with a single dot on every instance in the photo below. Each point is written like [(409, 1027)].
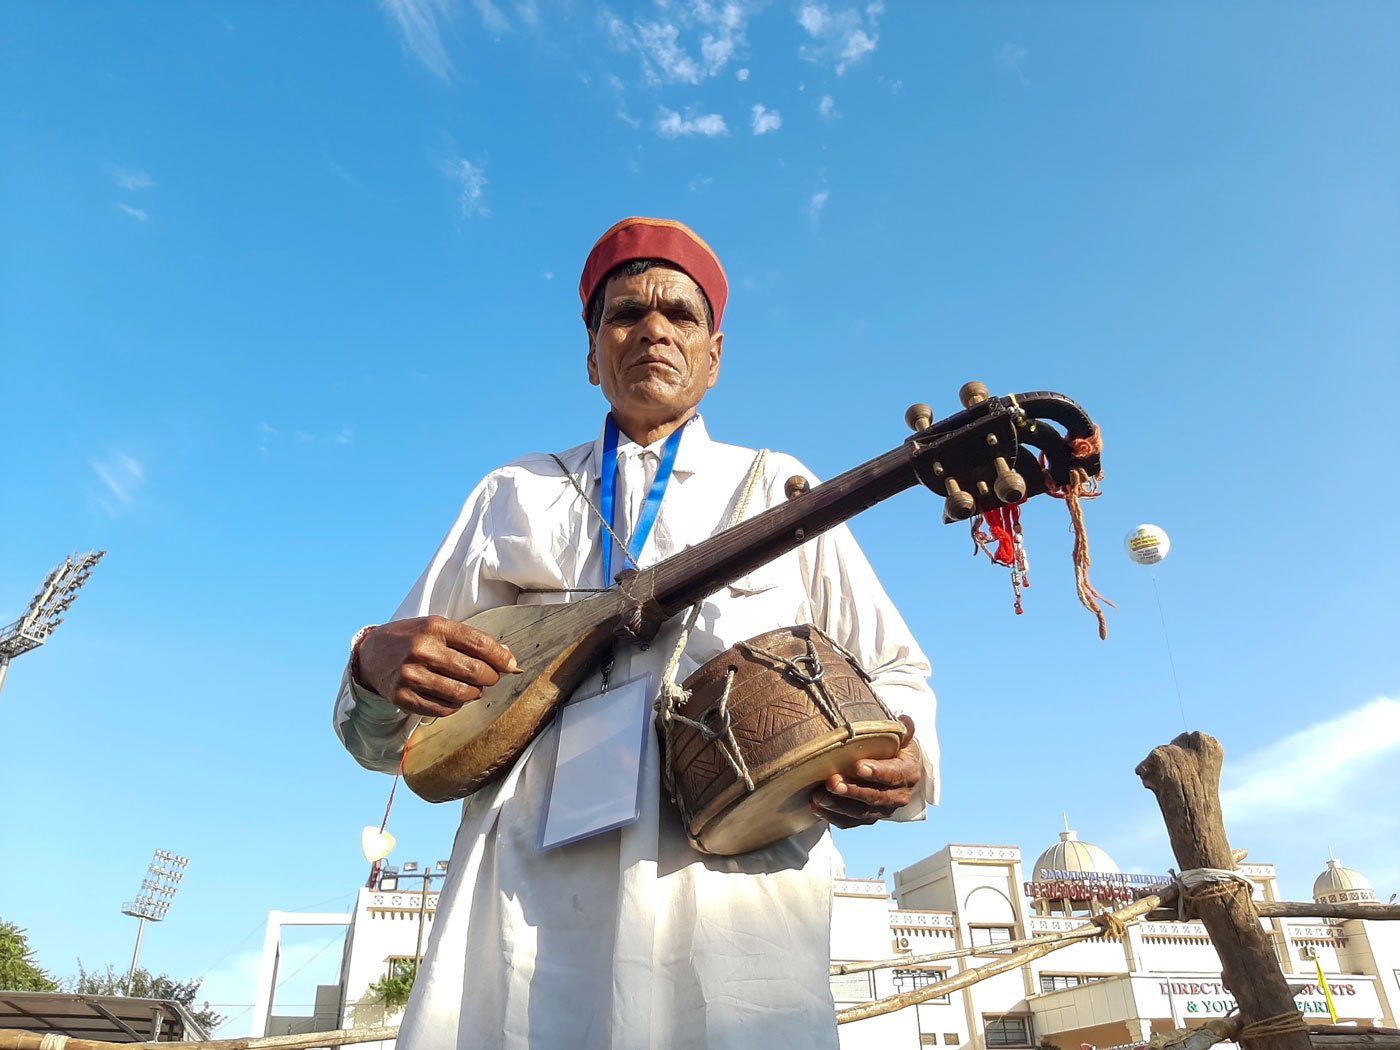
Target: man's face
[(653, 354)]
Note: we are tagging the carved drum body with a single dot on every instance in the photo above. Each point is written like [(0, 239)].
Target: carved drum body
[(765, 722)]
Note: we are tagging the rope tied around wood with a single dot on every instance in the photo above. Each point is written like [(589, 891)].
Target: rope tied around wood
[(1110, 923), (1279, 1024), (53, 1041), (1198, 884)]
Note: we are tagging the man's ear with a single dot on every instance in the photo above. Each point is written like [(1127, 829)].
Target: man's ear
[(716, 352), (593, 359)]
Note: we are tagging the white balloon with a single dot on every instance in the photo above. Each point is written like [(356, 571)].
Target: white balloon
[(376, 844), (1147, 544)]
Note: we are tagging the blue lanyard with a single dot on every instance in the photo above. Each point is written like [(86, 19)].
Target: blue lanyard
[(650, 509)]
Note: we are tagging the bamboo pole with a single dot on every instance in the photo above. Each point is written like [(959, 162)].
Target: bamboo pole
[(1185, 777), (952, 953), (1103, 924), (16, 1040)]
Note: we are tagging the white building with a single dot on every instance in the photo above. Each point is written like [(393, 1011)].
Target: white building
[(1102, 992)]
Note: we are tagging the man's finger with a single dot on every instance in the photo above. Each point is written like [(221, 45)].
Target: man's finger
[(452, 664), (473, 642), (406, 699), (873, 796), (437, 688), (857, 810)]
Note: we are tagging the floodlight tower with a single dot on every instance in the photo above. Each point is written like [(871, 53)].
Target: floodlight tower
[(158, 890), (55, 595)]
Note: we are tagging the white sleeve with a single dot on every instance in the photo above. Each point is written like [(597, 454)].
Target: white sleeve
[(459, 582), (850, 605)]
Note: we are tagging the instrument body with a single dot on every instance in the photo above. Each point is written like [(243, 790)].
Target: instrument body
[(557, 646), (784, 711)]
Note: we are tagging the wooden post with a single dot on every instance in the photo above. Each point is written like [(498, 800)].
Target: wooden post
[(1185, 777)]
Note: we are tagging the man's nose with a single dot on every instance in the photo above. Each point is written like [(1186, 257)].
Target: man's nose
[(655, 327)]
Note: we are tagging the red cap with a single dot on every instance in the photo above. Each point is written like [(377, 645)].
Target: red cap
[(673, 242)]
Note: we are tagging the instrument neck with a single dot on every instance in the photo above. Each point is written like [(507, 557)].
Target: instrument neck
[(684, 579)]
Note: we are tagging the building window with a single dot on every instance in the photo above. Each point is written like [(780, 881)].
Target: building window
[(846, 987), (1054, 982), (951, 1039), (985, 935), (399, 964), (908, 979), (1007, 1031)]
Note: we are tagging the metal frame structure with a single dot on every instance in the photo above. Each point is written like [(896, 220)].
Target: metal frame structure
[(158, 891), (53, 598)]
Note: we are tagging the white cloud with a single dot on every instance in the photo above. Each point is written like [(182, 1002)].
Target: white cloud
[(492, 17), (417, 21), (471, 184), (813, 18), (741, 74), (129, 180), (1011, 56), (827, 108), (694, 42), (663, 56), (766, 120), (121, 476), (672, 125), (1315, 769), (843, 37), (816, 204), (136, 213)]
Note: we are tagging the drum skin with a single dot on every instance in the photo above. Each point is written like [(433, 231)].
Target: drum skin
[(783, 736)]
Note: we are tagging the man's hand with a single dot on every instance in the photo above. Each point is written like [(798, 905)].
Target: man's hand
[(431, 665), (876, 788)]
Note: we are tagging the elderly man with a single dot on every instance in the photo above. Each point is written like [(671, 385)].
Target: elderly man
[(629, 938)]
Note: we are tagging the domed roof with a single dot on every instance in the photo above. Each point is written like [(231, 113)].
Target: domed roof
[(1338, 884), (1071, 855)]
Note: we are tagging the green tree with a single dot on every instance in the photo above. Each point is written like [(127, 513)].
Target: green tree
[(142, 984), (393, 990), (18, 970)]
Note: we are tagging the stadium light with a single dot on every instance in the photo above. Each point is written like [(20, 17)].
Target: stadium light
[(157, 893), (54, 597)]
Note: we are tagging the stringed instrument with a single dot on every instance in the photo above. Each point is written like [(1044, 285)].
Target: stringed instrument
[(997, 451)]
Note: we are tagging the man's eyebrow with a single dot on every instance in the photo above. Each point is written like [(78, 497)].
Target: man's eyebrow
[(665, 303)]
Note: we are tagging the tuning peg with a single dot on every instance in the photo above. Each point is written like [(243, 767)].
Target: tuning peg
[(919, 417), (1009, 486), (973, 393), (795, 486), (959, 504)]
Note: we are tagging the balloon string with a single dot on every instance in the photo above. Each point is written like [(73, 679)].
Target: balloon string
[(1170, 658), (398, 773)]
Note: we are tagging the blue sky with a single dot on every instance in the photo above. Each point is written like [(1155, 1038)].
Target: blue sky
[(278, 283)]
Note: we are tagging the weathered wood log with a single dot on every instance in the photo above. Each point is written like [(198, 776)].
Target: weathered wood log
[(1303, 910), (1185, 777), (16, 1040), (1349, 1037)]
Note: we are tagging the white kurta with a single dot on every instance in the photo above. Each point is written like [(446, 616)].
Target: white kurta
[(631, 940)]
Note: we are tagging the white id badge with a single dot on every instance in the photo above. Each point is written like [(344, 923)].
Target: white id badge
[(596, 785)]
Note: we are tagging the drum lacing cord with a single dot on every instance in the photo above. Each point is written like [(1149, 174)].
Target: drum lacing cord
[(669, 700), (808, 672)]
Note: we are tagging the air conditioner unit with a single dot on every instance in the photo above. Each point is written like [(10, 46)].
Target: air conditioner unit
[(901, 944)]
